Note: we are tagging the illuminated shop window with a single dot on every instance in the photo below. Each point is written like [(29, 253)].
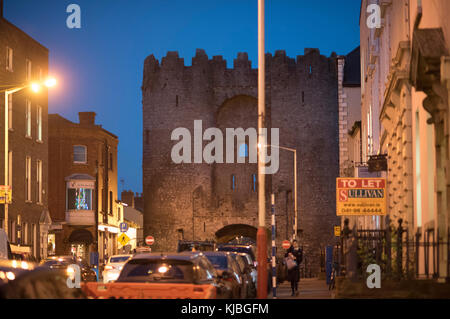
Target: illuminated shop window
[(79, 199)]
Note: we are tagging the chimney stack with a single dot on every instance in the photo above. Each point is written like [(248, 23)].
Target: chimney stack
[(128, 198), (87, 118)]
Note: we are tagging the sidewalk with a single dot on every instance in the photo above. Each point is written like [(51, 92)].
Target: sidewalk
[(309, 288)]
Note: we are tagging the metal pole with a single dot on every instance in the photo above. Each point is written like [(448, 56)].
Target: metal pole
[(296, 195), (6, 157), (261, 240), (274, 250)]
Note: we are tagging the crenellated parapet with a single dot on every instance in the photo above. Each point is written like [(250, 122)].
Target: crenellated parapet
[(214, 72)]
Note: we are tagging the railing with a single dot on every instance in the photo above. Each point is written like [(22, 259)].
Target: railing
[(399, 255)]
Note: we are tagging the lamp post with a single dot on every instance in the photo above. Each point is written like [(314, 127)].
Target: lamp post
[(293, 150), (261, 238), (35, 87)]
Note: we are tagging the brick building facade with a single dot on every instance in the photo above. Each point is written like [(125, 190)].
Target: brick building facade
[(83, 195), (23, 60), (219, 201)]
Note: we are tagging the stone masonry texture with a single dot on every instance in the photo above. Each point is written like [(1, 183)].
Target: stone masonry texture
[(197, 201)]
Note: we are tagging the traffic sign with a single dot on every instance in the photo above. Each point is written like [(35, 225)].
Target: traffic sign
[(149, 240), (286, 244), (5, 194), (123, 239), (123, 227), (337, 231)]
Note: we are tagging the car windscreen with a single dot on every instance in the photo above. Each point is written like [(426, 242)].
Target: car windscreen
[(238, 249), (120, 259), (56, 263), (197, 246), (155, 271), (219, 262)]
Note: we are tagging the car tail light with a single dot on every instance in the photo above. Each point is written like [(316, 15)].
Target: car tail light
[(108, 267)]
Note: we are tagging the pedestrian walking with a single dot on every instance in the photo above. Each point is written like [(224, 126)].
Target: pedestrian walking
[(293, 258)]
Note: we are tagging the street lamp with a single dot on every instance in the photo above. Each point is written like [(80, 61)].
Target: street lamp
[(295, 183), (261, 237), (11, 89)]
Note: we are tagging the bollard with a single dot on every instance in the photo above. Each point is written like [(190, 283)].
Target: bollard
[(274, 251)]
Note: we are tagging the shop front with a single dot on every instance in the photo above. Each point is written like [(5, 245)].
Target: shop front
[(79, 242)]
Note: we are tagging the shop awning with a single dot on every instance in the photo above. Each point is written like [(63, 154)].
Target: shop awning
[(81, 236)]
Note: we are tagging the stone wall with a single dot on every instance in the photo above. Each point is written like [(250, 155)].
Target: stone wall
[(196, 200)]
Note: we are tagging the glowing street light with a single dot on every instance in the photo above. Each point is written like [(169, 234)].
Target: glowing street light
[(36, 88)]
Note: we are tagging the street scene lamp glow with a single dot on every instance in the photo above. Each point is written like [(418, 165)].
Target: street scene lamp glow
[(35, 87), (50, 82)]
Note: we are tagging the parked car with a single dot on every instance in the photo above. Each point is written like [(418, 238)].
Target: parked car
[(24, 257), (5, 248), (248, 249), (185, 268), (248, 288), (25, 280), (187, 245), (247, 269), (228, 270), (249, 262), (113, 267), (64, 262)]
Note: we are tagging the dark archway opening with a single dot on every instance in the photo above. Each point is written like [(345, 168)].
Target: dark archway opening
[(238, 234)]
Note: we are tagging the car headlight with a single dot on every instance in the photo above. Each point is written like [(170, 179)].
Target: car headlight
[(70, 271)]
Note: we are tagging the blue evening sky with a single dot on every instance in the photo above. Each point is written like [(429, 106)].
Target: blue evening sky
[(100, 66)]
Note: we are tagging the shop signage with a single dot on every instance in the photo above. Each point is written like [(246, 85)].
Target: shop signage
[(81, 184), (360, 196)]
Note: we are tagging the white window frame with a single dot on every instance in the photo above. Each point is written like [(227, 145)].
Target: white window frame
[(28, 119), (39, 181), (28, 179), (39, 123), (85, 154), (28, 69), (9, 59)]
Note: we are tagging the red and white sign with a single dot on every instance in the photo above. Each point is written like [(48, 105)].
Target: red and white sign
[(286, 244), (149, 240)]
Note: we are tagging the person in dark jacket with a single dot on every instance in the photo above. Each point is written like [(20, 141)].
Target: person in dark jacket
[(295, 254)]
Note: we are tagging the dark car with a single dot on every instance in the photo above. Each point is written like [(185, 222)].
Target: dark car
[(64, 262), (25, 280), (248, 249), (228, 270), (178, 268), (246, 268), (249, 262), (187, 245)]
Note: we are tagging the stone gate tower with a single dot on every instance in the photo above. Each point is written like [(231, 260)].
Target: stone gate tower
[(219, 201)]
